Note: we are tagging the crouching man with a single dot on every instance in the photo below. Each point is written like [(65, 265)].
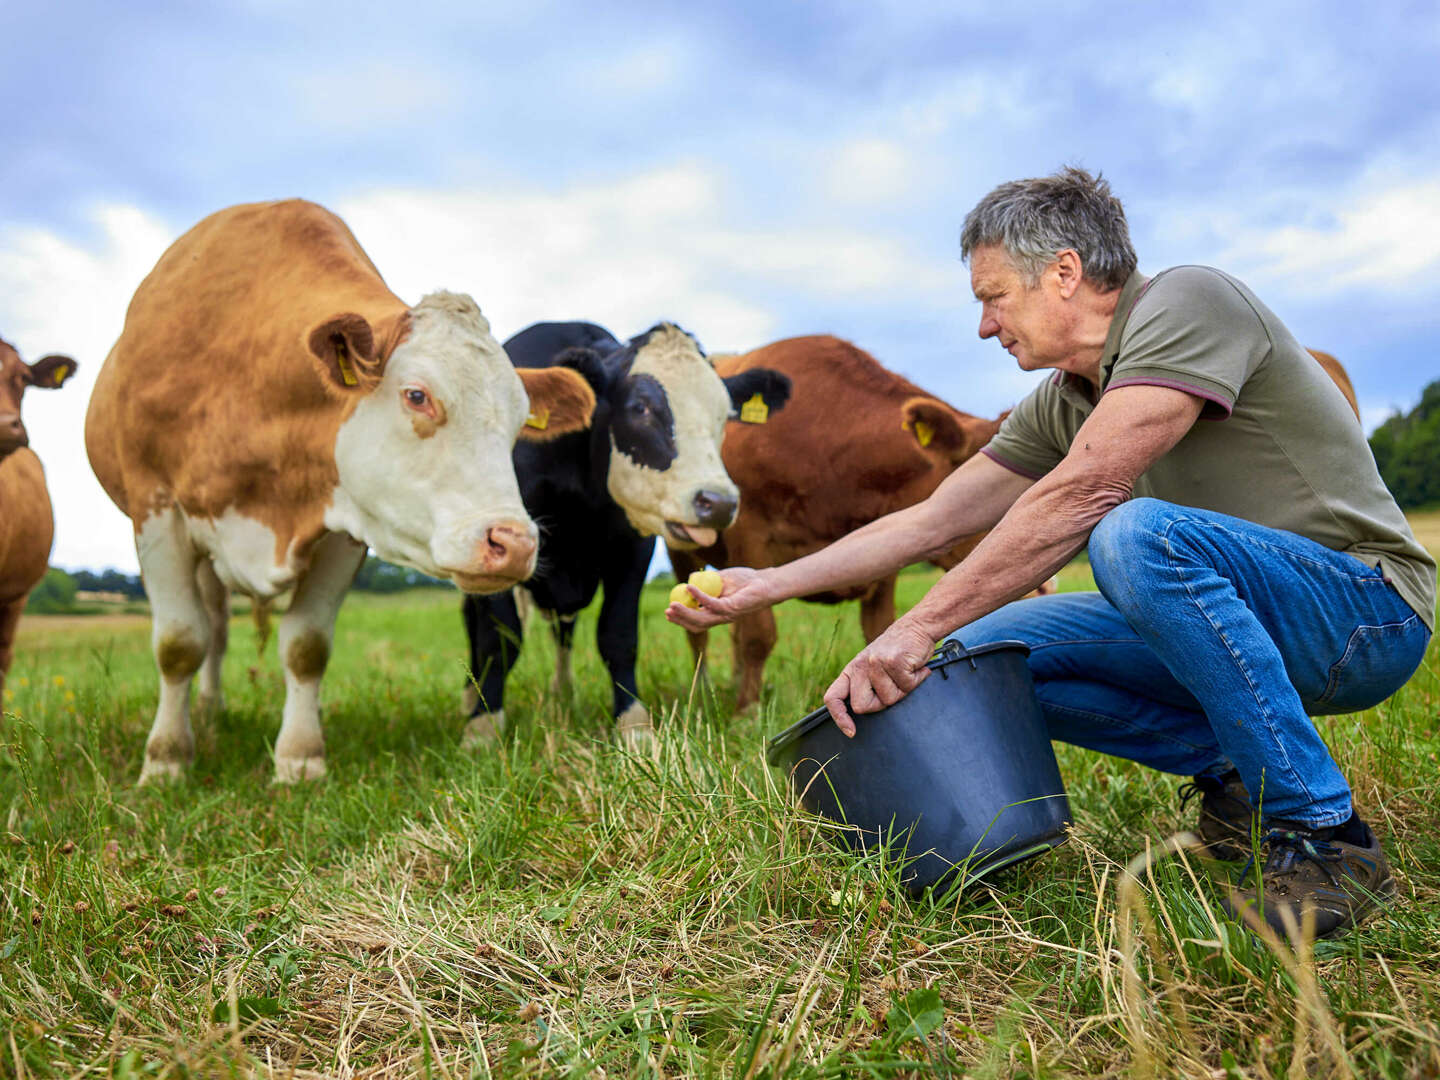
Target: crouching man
[(1252, 568)]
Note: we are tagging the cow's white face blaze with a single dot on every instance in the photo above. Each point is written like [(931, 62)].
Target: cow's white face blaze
[(424, 458), (668, 419)]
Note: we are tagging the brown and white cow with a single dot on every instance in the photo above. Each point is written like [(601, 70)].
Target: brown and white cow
[(1339, 376), (269, 411), (855, 442), (27, 526)]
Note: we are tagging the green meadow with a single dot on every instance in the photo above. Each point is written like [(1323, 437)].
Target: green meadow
[(560, 907)]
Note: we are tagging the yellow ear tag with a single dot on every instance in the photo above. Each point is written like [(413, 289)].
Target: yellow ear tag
[(923, 433), (347, 373), (754, 411), (63, 372), (539, 420)]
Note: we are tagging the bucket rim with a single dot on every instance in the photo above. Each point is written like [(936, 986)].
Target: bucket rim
[(951, 652)]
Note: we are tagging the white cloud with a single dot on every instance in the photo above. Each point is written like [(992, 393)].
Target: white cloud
[(1384, 238), (867, 171)]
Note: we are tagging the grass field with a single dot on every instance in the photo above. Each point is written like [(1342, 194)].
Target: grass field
[(561, 908)]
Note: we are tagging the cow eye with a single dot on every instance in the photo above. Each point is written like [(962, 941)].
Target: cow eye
[(416, 399)]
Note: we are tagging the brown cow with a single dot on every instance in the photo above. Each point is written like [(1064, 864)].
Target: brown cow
[(271, 409), (1337, 373), (26, 524), (856, 442)]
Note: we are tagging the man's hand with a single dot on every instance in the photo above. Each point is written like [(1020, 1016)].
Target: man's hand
[(745, 591), (885, 671)]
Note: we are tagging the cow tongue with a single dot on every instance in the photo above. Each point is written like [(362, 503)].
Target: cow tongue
[(693, 533)]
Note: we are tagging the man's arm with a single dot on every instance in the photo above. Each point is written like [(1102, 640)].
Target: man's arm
[(973, 497), (1131, 428)]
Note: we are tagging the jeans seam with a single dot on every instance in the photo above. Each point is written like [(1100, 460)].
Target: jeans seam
[(1115, 721), (1260, 699)]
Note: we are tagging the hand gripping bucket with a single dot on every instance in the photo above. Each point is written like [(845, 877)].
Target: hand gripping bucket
[(957, 777)]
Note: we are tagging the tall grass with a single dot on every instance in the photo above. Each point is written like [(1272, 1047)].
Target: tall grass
[(560, 907)]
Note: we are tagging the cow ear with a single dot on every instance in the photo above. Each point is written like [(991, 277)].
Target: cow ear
[(561, 402), (587, 361), (343, 349), (768, 385), (50, 372), (943, 432)]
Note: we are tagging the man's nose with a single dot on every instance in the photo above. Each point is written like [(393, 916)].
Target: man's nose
[(989, 327)]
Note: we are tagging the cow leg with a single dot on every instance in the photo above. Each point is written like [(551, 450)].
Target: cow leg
[(9, 621), (179, 635), (216, 598), (496, 634), (306, 632), (685, 563), (617, 636), (563, 627), (754, 637), (877, 608)]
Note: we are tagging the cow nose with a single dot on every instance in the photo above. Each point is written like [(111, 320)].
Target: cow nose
[(714, 510), (12, 432), (508, 550)]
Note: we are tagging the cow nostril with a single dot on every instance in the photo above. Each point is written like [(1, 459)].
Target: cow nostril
[(714, 509)]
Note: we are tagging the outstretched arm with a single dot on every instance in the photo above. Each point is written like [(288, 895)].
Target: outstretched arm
[(972, 498)]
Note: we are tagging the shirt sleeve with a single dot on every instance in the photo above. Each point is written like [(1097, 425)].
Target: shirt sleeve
[(1027, 442), (1192, 330)]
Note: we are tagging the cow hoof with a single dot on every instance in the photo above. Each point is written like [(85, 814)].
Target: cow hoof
[(163, 772), (634, 729), (292, 770), (483, 731)]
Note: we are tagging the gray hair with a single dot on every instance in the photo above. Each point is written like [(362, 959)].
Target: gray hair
[(1034, 220)]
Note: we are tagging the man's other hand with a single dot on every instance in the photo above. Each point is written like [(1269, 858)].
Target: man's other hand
[(884, 672)]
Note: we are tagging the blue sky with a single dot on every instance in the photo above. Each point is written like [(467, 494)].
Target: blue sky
[(752, 171)]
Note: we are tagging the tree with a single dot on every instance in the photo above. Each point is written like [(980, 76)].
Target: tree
[(1407, 452), (54, 595)]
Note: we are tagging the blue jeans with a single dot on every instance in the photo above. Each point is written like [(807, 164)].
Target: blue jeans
[(1210, 644)]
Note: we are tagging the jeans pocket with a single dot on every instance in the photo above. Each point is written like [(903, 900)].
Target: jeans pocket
[(1377, 661)]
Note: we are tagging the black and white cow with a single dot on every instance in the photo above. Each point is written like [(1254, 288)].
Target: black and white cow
[(649, 465)]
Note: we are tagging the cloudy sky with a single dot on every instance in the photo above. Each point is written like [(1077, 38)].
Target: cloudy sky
[(752, 172)]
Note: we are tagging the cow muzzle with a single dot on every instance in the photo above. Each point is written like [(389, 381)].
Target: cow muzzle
[(713, 511), (503, 558), (12, 434)]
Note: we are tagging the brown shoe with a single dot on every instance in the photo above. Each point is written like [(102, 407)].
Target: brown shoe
[(1225, 814), (1342, 882)]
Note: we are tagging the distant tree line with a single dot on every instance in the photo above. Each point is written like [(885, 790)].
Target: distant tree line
[(1407, 450), (56, 593)]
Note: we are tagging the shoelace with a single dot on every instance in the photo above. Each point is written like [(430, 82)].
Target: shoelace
[(1192, 789), (1285, 848)]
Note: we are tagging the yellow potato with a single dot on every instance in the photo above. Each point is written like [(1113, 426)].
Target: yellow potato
[(681, 595), (708, 581)]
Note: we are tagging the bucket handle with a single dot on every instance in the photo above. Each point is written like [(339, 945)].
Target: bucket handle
[(949, 651)]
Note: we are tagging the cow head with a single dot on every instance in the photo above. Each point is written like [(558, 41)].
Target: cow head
[(949, 438), (16, 377), (433, 408), (665, 409)]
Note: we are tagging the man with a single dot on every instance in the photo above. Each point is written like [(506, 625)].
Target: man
[(1252, 568)]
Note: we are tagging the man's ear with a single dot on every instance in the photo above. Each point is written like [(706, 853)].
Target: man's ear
[(50, 372), (756, 393), (344, 353), (561, 402), (943, 432)]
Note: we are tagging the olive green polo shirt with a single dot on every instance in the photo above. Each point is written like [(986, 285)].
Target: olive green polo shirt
[(1276, 443)]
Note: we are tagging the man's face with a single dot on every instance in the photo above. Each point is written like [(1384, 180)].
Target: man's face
[(1030, 322)]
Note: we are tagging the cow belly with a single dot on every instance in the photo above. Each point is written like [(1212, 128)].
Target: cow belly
[(244, 554)]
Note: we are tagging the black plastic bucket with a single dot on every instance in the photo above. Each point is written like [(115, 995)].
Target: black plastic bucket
[(957, 776)]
